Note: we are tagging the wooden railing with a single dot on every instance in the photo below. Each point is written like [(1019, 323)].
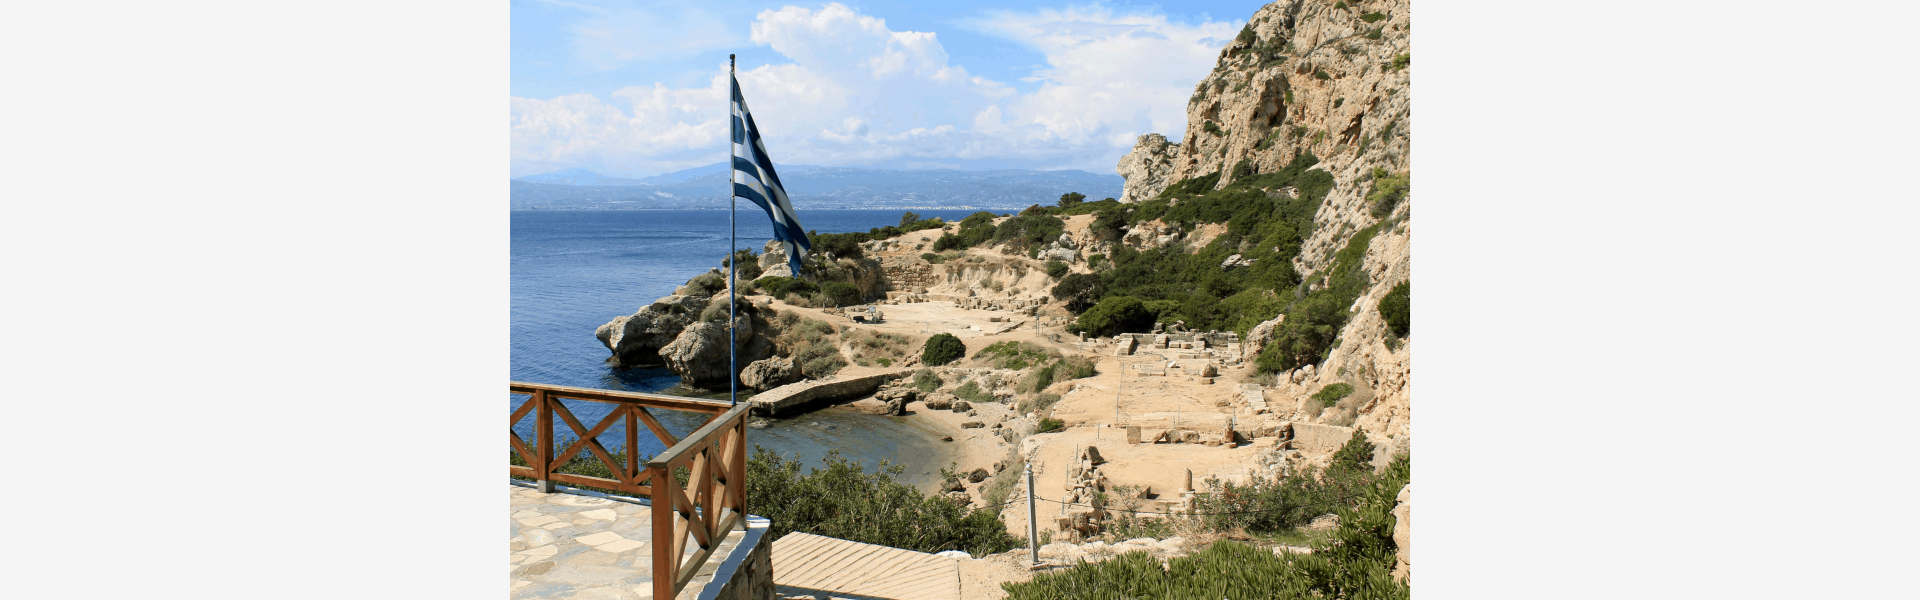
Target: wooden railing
[(713, 500)]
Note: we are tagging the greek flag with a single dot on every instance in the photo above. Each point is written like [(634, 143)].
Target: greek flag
[(754, 179)]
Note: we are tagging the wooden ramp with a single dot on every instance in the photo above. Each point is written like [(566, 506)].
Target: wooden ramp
[(824, 567)]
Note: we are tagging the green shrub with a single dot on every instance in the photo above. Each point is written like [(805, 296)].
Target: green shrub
[(749, 264), (1388, 191), (1013, 355), (1069, 199), (971, 392), (1397, 308), (843, 500), (941, 349), (1246, 34), (1030, 230), (933, 258), (1332, 393), (1314, 322), (818, 358), (1049, 425), (1056, 269), (1080, 291), (927, 381), (1038, 403), (1373, 34), (1401, 62), (1372, 17), (839, 245), (707, 284), (1321, 74), (1095, 261), (842, 293), (1211, 127), (1356, 454), (1114, 314)]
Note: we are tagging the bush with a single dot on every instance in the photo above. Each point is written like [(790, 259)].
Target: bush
[(926, 381), (1033, 228), (1080, 291), (1056, 269), (843, 500), (1321, 74), (1069, 199), (1014, 355), (1372, 17), (1115, 314), (1397, 308), (1400, 62), (749, 264), (1332, 393), (1388, 191), (1357, 453), (707, 284), (779, 287), (1049, 425), (941, 349), (839, 245), (971, 392), (841, 293), (932, 258)]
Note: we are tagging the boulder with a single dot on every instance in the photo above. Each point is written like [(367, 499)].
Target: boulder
[(977, 476), (636, 340), (972, 425), (1147, 169), (1403, 534), (960, 498), (1261, 335), (896, 407), (961, 406), (939, 401), (699, 354), (1092, 454), (766, 374)]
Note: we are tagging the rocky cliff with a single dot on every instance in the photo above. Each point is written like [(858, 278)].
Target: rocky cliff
[(1330, 79)]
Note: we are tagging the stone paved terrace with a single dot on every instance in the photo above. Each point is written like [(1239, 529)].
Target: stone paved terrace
[(569, 545)]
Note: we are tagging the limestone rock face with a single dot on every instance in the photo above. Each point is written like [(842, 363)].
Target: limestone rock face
[(1403, 534), (769, 373), (636, 340), (699, 354), (1148, 168)]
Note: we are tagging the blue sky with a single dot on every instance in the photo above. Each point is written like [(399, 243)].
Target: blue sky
[(638, 88)]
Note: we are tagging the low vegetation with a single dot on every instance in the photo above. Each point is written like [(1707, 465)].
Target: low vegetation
[(1355, 561), (1327, 396), (1397, 308), (843, 500), (941, 349), (877, 347), (813, 345)]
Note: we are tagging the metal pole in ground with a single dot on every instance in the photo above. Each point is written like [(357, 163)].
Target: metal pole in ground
[(1033, 524)]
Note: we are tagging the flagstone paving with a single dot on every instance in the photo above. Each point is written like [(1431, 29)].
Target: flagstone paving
[(568, 545)]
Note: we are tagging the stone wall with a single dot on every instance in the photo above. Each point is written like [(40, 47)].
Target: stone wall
[(748, 571), (1320, 439), (908, 276)]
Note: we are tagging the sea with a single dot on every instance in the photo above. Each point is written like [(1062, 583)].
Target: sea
[(573, 271)]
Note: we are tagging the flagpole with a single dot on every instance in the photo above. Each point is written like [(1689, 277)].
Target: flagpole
[(733, 257)]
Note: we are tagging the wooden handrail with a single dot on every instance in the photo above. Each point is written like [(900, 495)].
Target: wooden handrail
[(711, 503)]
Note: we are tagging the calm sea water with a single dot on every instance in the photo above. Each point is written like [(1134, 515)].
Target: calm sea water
[(573, 271)]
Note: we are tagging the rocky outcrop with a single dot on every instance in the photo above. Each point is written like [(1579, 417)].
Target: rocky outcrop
[(1403, 534), (769, 373), (700, 354), (1148, 168), (636, 340)]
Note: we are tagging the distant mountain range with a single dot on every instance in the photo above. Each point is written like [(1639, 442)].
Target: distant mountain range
[(813, 187)]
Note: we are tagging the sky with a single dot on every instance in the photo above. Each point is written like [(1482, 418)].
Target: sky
[(639, 88)]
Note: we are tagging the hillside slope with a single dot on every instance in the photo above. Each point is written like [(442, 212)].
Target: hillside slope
[(1309, 77)]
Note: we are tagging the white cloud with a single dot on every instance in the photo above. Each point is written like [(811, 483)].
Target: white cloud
[(857, 92)]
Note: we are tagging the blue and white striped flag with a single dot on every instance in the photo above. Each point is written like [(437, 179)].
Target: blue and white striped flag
[(754, 179)]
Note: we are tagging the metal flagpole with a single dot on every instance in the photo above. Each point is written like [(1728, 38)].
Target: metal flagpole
[(733, 258)]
